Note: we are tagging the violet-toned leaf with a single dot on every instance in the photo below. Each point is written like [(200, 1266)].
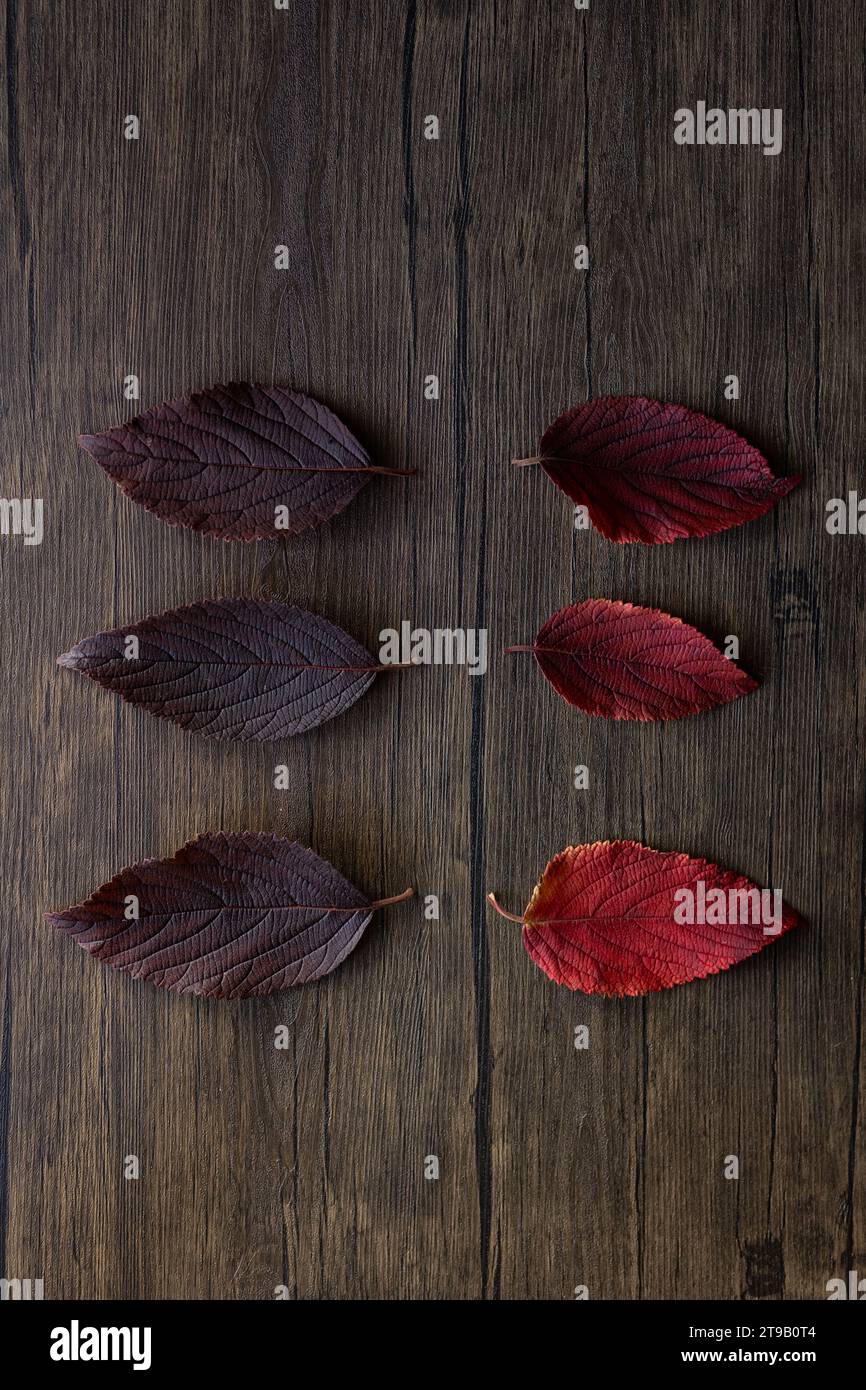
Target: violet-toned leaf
[(240, 462), (231, 668), (227, 915)]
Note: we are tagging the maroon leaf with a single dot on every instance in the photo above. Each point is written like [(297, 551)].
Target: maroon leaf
[(222, 461), (618, 918), (231, 668), (624, 662), (652, 472), (227, 915)]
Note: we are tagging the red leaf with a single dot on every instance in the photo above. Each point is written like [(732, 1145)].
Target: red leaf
[(625, 662), (221, 461), (227, 915), (652, 472), (232, 668), (607, 918)]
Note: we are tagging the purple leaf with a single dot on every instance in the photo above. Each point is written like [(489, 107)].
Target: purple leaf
[(231, 668), (227, 916), (223, 461)]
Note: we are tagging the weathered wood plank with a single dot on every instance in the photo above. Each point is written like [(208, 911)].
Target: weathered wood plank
[(453, 258)]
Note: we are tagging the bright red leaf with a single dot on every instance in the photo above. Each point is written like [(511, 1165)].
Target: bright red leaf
[(654, 472), (618, 918)]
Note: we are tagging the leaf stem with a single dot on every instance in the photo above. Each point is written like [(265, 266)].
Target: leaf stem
[(390, 472), (518, 649), (491, 898), (398, 898), (526, 463)]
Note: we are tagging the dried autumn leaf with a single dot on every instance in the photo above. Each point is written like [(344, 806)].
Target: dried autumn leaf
[(653, 472), (227, 916), (231, 668), (624, 662), (618, 918), (222, 461)]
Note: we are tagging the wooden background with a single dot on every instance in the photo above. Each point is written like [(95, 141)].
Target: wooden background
[(558, 1168)]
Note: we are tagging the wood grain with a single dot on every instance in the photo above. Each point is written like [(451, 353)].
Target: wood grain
[(409, 257)]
